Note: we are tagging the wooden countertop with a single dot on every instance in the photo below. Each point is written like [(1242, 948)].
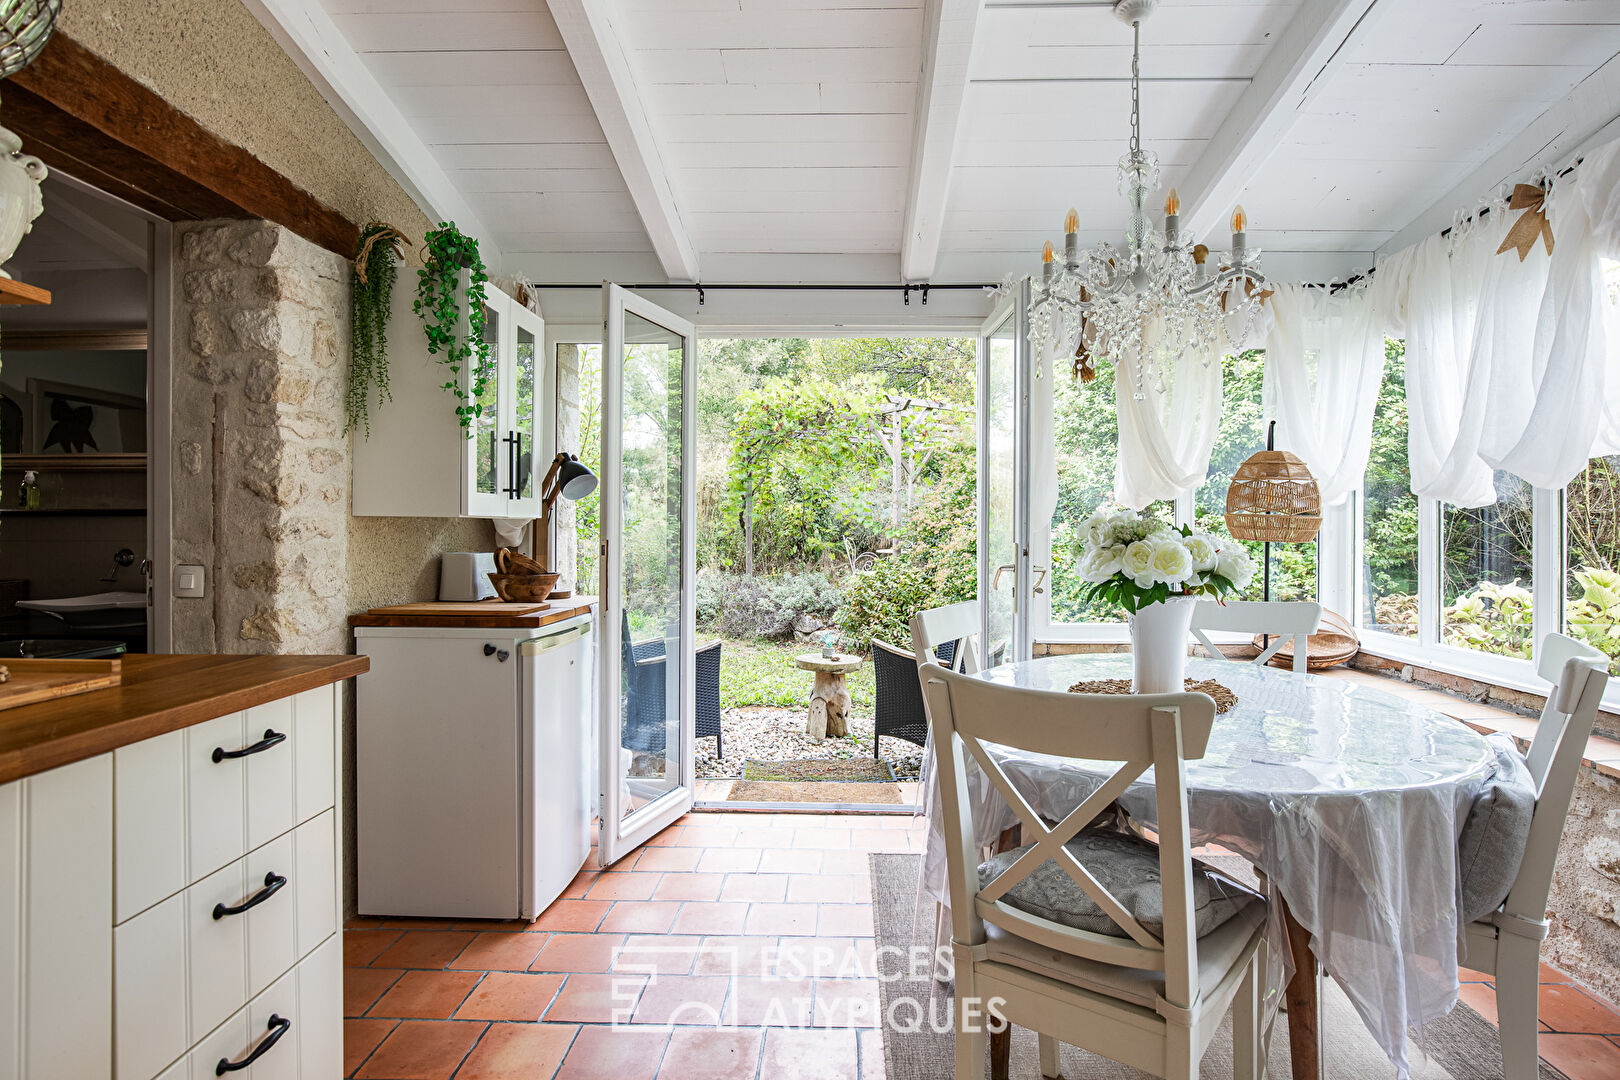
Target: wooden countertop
[(557, 612), (159, 694)]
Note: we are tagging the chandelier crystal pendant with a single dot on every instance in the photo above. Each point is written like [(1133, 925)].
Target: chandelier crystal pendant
[(1142, 307)]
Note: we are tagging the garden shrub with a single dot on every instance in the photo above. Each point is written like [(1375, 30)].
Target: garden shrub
[(737, 607)]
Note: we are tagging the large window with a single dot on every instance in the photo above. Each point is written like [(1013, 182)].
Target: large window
[(1086, 436), (1389, 514), (1487, 571), (1592, 538)]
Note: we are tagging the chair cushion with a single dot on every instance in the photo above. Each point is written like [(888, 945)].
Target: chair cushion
[(1128, 867), (1496, 831)]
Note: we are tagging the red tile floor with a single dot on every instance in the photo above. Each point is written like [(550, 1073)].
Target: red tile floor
[(760, 921)]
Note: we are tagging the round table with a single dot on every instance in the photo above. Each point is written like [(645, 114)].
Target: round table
[(1347, 797), (829, 697)]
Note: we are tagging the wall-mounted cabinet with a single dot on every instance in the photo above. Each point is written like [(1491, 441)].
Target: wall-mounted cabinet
[(419, 461)]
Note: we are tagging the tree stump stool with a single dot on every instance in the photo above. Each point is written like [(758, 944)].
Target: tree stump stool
[(829, 697)]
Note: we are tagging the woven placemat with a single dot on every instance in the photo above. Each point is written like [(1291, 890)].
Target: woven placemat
[(1224, 698)]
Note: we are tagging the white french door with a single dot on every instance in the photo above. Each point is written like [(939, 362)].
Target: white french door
[(1004, 472), (648, 513)]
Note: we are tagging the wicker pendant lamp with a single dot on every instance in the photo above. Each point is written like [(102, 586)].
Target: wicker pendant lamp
[(1274, 498)]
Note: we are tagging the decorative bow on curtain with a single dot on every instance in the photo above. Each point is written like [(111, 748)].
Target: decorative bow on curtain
[(1532, 223)]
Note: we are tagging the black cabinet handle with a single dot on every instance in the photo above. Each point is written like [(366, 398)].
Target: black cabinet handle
[(271, 738), (272, 885), (511, 464), (278, 1027)]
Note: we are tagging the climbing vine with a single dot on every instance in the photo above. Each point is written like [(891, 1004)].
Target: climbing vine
[(371, 303), (438, 303)]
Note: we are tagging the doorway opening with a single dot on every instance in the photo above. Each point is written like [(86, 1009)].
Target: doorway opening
[(835, 495)]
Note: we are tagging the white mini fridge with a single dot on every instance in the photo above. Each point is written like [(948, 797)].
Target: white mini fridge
[(474, 762)]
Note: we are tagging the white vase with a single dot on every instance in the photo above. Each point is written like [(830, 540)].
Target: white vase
[(20, 201), (1159, 646)]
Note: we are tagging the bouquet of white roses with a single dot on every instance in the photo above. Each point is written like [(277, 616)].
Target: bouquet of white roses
[(1133, 560)]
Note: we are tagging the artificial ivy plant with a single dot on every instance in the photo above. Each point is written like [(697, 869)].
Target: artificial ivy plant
[(375, 255), (438, 303)]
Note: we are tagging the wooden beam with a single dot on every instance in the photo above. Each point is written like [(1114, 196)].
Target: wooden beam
[(1304, 56), (307, 33), (603, 66), (948, 29), (79, 113), (133, 339), (1587, 117)]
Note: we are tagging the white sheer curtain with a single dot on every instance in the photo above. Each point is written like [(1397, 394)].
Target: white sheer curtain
[(1324, 364), (1510, 364)]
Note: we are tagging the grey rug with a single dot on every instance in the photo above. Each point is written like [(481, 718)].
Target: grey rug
[(1462, 1046)]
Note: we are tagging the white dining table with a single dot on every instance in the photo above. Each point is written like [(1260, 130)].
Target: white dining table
[(1348, 798)]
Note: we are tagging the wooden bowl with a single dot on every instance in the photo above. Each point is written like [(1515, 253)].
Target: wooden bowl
[(525, 588)]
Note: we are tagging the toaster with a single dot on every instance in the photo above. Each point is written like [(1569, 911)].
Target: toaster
[(464, 575)]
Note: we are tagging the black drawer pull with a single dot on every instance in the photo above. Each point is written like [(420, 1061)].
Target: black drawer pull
[(271, 737), (272, 885), (278, 1027)]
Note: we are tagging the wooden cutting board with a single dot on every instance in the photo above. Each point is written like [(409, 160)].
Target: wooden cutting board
[(43, 680), (480, 607)]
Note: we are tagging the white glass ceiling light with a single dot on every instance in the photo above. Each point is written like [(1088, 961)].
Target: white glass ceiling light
[(1142, 307), (25, 26)]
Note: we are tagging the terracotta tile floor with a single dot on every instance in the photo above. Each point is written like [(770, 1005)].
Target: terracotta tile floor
[(760, 921)]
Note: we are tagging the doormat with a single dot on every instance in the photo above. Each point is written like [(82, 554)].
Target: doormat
[(756, 791), (827, 770)]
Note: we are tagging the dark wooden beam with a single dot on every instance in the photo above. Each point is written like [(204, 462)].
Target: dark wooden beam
[(80, 114)]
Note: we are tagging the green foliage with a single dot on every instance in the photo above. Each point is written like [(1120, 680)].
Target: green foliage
[(371, 303), (752, 674), (1491, 618), (734, 606), (1594, 616), (438, 304)]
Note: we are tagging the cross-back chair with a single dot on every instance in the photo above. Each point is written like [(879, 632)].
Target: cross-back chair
[(1507, 942), (1149, 999), (1284, 620), (956, 625)]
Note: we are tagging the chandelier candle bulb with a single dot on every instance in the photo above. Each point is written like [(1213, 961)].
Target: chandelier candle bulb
[(1046, 263), (1240, 221), (1071, 239), (1172, 219)]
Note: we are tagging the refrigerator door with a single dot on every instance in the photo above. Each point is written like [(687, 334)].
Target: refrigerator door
[(558, 730)]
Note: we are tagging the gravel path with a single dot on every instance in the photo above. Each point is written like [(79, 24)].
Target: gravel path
[(765, 734)]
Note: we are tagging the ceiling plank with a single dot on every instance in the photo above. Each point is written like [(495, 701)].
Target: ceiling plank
[(1586, 117), (600, 57), (1311, 46), (307, 33), (948, 29)]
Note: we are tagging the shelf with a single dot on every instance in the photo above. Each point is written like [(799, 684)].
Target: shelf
[(68, 511), (75, 462), (17, 292)]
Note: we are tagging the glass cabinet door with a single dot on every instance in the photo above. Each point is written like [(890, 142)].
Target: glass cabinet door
[(528, 336), (486, 454)]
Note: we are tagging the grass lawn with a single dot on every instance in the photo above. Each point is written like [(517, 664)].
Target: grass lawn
[(761, 673)]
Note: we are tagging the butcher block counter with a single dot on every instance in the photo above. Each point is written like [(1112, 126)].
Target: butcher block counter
[(174, 848), (159, 694)]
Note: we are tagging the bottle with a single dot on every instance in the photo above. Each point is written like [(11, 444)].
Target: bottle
[(28, 494)]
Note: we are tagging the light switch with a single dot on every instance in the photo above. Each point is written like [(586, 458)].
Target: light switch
[(189, 581)]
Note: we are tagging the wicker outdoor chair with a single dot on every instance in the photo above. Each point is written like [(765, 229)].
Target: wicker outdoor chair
[(899, 713), (644, 693)]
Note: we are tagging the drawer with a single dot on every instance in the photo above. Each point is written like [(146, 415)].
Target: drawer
[(295, 1026), (186, 964), (189, 802)]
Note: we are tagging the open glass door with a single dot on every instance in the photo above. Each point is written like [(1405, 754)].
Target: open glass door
[(647, 569), (1004, 570)]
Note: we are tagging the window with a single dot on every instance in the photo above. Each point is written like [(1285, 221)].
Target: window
[(1389, 511), (579, 430), (1487, 572), (1592, 537), (1085, 431)]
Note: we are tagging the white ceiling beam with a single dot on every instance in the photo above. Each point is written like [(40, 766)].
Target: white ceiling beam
[(307, 34), (948, 29), (1301, 61), (1586, 117), (603, 65)]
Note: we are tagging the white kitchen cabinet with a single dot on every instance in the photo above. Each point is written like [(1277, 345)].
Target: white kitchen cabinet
[(418, 461)]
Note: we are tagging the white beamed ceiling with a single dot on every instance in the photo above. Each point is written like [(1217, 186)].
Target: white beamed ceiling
[(786, 127)]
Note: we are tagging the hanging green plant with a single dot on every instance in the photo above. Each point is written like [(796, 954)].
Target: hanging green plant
[(439, 304), (375, 256)]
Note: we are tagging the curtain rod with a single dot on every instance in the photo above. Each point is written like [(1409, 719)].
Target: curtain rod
[(1335, 286), (701, 289)]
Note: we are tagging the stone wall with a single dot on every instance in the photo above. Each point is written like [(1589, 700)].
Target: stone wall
[(260, 459), (1584, 907)]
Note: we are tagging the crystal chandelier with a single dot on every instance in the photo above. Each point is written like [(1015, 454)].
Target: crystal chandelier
[(1142, 307)]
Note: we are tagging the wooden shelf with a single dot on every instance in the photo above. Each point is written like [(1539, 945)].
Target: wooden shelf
[(74, 462), (17, 292), (73, 511)]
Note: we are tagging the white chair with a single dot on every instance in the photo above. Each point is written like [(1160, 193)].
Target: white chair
[(1285, 621), (1507, 943), (1149, 1001), (957, 623)]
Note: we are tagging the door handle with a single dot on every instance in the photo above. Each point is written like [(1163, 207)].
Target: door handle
[(1040, 577), (511, 465), (995, 582)]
